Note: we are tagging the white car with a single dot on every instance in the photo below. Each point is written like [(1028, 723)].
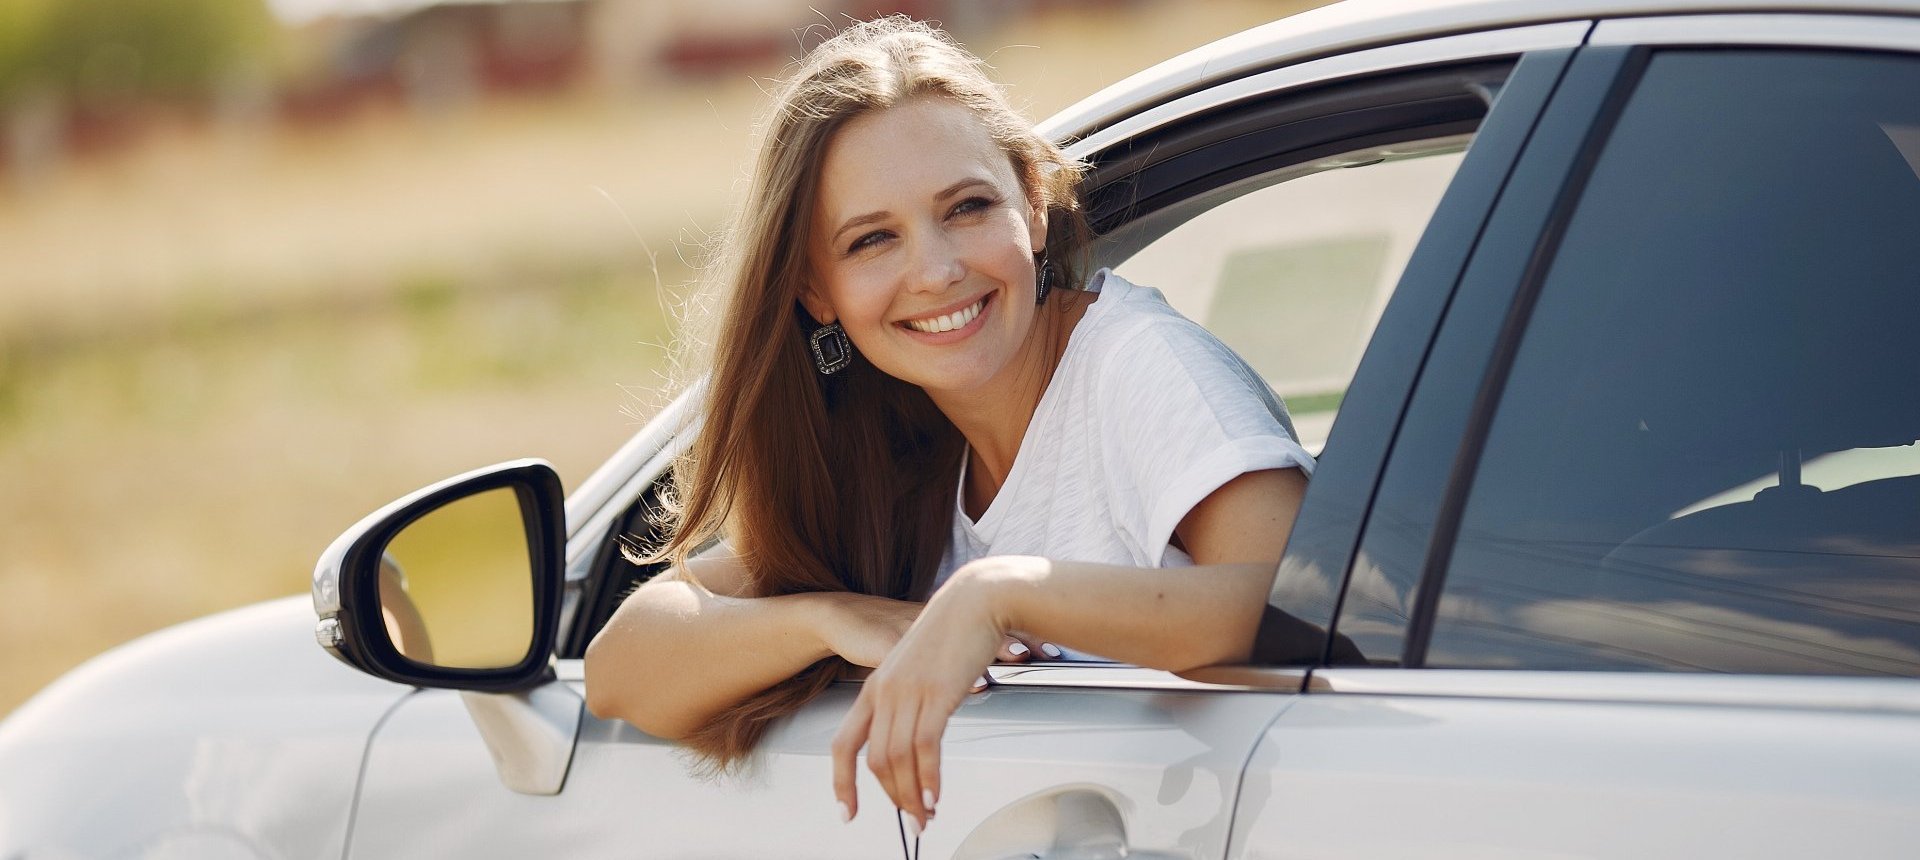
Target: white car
[(1599, 313)]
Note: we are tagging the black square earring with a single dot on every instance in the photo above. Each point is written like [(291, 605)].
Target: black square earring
[(832, 351), (1043, 282)]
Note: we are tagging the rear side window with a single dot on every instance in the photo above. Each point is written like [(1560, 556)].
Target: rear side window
[(1703, 457)]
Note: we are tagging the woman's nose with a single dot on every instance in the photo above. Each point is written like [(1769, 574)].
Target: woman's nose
[(936, 263)]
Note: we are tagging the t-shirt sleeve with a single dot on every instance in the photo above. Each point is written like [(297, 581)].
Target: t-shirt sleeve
[(1180, 416)]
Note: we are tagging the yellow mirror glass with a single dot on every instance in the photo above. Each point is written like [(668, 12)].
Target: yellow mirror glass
[(456, 585)]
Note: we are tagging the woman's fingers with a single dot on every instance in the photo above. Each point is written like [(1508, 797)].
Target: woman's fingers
[(1040, 648), (927, 732), (1013, 650), (1020, 648), (901, 774), (846, 747), (879, 751)]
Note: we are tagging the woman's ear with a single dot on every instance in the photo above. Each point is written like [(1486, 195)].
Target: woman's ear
[(816, 306), (1037, 221)]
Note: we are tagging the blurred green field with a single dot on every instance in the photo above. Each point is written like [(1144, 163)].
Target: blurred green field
[(219, 349)]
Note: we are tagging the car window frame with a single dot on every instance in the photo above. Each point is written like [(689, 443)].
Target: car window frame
[(1455, 400)]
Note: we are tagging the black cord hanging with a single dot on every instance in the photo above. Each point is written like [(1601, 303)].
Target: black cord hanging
[(900, 820)]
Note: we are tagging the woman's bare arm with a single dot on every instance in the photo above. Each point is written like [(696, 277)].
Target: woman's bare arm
[(675, 654), (1164, 618), (1169, 618)]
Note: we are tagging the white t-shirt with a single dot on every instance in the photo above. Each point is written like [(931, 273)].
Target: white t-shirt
[(1147, 414)]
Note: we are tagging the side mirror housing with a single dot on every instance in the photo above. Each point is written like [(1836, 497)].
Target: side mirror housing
[(456, 585)]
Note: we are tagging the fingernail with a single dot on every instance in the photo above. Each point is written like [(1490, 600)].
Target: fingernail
[(1017, 649), (1049, 649), (926, 800), (981, 683), (913, 827), (846, 812)]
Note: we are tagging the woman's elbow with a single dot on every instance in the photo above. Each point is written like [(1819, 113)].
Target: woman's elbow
[(615, 695), (603, 692), (609, 690), (603, 705), (609, 700)]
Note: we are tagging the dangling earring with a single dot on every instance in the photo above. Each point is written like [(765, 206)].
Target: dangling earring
[(1045, 279), (832, 350)]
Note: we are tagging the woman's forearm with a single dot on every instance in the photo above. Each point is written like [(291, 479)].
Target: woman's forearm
[(674, 655), (1164, 618)]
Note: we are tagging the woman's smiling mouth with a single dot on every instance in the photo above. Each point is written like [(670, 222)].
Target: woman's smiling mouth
[(942, 323)]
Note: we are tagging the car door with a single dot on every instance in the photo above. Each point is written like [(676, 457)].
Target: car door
[(1279, 209), (1282, 218), (1641, 576)]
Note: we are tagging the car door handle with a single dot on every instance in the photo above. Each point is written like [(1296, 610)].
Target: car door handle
[(1088, 827), (1068, 823)]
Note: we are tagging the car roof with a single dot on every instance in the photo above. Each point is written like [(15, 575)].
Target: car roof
[(1359, 24)]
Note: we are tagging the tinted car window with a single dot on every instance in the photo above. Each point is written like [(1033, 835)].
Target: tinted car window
[(1703, 457)]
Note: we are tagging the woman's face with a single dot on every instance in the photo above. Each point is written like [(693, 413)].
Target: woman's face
[(922, 246)]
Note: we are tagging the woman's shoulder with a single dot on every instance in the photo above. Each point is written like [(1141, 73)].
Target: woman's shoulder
[(1129, 323)]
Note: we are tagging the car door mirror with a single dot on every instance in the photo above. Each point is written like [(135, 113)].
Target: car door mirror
[(456, 585)]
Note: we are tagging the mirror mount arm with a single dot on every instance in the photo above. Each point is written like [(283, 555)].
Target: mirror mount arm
[(530, 733)]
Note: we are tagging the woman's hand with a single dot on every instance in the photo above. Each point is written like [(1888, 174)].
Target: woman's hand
[(902, 710)]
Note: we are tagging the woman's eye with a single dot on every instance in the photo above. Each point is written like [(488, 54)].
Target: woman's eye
[(869, 240), (970, 205)]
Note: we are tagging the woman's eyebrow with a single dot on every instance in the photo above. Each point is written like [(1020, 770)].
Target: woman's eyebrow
[(870, 217), (859, 220), (960, 186)]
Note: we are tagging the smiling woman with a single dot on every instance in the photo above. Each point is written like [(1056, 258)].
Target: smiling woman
[(917, 455)]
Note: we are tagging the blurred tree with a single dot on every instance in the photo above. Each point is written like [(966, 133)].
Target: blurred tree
[(104, 54)]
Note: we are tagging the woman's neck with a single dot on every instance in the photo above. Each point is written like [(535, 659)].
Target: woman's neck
[(994, 418)]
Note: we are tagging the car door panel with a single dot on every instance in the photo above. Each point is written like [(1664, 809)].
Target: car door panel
[(430, 789), (1432, 775), (1166, 761)]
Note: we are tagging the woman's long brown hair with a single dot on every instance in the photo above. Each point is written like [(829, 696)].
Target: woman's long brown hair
[(843, 482)]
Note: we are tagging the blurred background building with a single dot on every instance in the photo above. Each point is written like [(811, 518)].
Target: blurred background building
[(268, 264)]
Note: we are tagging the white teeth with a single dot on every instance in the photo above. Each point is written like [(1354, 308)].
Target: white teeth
[(948, 322)]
